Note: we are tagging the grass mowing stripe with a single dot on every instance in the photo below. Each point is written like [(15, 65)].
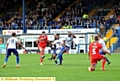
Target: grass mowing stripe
[(74, 68)]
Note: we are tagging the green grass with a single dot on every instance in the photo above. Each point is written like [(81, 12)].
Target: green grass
[(74, 68)]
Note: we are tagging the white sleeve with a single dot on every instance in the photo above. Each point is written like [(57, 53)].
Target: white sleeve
[(16, 40)]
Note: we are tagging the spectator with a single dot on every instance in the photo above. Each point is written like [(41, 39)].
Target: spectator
[(85, 16), (41, 14), (65, 26)]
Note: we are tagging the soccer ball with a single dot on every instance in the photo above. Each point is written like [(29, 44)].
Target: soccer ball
[(89, 69), (58, 51)]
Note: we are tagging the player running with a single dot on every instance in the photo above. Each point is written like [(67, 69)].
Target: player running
[(95, 56), (11, 48), (104, 50), (42, 42)]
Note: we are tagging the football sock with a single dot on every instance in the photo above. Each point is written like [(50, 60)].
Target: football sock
[(107, 60), (41, 60), (103, 62), (17, 60), (42, 55), (92, 69), (55, 62), (58, 61), (61, 60), (52, 57), (5, 60)]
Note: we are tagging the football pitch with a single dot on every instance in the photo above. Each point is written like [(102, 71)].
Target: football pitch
[(74, 68)]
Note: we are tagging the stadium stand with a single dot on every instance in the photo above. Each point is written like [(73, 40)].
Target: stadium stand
[(42, 14), (8, 8), (39, 13), (76, 21), (6, 5)]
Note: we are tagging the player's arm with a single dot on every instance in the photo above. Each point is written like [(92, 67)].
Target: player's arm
[(54, 42), (73, 35), (20, 45), (39, 38), (47, 40), (7, 44), (89, 53), (37, 41), (63, 41), (51, 44)]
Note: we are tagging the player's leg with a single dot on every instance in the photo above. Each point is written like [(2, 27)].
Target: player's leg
[(59, 58), (108, 62), (53, 56), (103, 53), (103, 62), (52, 52), (93, 65), (15, 52), (41, 55), (67, 49), (8, 53)]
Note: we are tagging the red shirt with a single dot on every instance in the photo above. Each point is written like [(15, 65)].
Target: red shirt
[(94, 49), (43, 40)]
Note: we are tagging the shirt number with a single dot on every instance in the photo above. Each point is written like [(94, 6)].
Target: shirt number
[(93, 51), (12, 41)]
